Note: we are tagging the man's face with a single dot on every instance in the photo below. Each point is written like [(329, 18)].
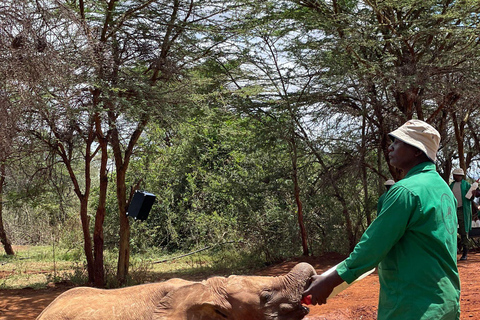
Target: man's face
[(401, 155), (457, 177)]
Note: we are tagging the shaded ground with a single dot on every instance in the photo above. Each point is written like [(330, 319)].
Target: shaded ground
[(358, 302)]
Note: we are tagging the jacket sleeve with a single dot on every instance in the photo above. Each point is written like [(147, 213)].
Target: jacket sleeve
[(384, 232)]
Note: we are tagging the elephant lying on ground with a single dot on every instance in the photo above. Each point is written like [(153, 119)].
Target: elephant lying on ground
[(217, 298)]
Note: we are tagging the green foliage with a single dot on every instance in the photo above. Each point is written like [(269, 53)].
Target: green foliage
[(218, 180)]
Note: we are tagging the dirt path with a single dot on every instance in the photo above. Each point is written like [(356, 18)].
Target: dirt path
[(357, 302)]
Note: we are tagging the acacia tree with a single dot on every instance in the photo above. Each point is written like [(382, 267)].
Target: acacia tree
[(263, 73), (275, 80), (20, 50), (138, 53), (370, 65), (112, 67), (398, 61), (408, 60), (39, 86)]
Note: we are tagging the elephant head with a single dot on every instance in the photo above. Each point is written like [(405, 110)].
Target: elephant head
[(239, 298), (217, 298)]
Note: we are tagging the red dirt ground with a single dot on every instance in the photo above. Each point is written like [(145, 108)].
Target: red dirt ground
[(358, 302)]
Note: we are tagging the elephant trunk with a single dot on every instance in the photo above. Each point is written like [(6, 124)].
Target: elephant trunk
[(298, 278)]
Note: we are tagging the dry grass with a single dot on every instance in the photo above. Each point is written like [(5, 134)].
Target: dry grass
[(37, 267), (32, 267)]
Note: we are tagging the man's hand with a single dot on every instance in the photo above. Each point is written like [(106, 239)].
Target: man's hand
[(321, 287)]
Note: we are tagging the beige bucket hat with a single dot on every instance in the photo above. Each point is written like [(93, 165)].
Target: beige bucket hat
[(458, 172), (389, 182), (419, 134)]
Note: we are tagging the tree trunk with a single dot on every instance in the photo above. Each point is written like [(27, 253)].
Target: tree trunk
[(87, 239), (98, 235), (380, 186), (82, 197), (3, 235), (98, 242), (303, 232), (337, 193), (443, 130), (124, 245), (459, 128), (122, 159), (352, 241), (364, 174)]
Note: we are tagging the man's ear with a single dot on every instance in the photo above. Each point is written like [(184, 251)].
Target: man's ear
[(194, 301), (420, 154)]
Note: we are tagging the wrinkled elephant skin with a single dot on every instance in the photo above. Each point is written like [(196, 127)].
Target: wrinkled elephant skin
[(217, 298)]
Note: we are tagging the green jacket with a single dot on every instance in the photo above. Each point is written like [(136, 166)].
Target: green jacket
[(414, 243), (466, 204)]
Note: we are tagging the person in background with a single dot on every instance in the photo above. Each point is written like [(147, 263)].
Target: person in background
[(388, 184), (475, 207), (460, 188), (413, 240)]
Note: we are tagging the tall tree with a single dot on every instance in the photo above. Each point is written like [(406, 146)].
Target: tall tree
[(20, 49), (405, 57), (372, 65), (139, 54)]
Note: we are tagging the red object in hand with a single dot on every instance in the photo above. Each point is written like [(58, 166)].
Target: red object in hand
[(307, 300)]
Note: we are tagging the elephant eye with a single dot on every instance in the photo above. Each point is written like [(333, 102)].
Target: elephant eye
[(266, 295)]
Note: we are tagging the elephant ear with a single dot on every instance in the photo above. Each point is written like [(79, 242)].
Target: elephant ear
[(194, 301)]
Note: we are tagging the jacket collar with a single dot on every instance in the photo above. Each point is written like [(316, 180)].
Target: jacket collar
[(424, 166)]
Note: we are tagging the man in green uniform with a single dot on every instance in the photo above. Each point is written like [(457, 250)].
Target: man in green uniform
[(460, 187), (413, 240)]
